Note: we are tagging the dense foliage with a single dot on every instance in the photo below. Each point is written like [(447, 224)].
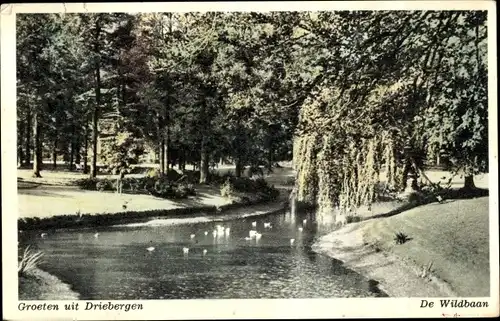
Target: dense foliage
[(362, 100)]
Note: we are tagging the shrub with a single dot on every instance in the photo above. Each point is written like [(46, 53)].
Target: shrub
[(353, 218), (192, 177), (28, 261), (401, 238), (147, 184), (105, 185), (253, 170), (227, 189), (153, 172), (133, 184), (163, 188), (217, 178), (415, 197), (173, 175), (188, 189), (87, 183), (260, 183)]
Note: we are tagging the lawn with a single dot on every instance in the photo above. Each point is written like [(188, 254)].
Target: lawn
[(454, 236), (54, 194)]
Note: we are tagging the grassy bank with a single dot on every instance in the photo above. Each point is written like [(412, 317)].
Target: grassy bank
[(446, 253), (127, 217), (40, 285)]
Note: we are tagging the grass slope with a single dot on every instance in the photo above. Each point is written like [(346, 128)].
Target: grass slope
[(454, 236)]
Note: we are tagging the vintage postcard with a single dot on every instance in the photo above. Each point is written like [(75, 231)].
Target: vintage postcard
[(235, 160)]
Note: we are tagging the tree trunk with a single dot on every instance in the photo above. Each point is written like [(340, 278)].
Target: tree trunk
[(78, 157), (27, 148), (37, 159), (72, 156), (238, 168), (166, 155), (93, 164), (95, 114), (86, 149), (20, 136), (203, 162), (469, 182), (162, 156), (54, 152), (270, 159), (182, 160), (166, 134)]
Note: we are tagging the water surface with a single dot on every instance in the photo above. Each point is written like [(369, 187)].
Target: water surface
[(116, 265)]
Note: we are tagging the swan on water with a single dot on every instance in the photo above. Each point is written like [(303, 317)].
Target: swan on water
[(96, 235), (304, 221), (185, 250), (192, 236), (300, 229), (206, 232), (43, 235), (150, 249), (254, 224), (205, 252), (292, 241)]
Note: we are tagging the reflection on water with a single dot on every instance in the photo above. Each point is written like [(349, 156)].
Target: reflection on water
[(116, 265)]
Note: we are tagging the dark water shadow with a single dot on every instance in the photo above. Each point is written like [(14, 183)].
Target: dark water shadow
[(41, 192)]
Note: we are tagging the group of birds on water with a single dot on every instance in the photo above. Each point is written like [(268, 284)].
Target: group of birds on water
[(220, 231)]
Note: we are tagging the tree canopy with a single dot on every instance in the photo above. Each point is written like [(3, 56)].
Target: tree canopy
[(349, 94)]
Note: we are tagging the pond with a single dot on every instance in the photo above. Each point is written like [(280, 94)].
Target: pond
[(116, 264)]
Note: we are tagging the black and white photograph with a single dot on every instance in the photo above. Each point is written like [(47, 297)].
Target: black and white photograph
[(250, 154)]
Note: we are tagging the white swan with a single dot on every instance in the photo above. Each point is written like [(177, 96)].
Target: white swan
[(43, 235), (254, 224), (304, 221), (292, 241), (300, 229), (150, 249), (96, 235), (185, 250), (192, 236), (205, 252), (206, 232)]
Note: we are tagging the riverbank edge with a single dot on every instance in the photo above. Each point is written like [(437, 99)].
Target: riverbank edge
[(394, 276), (47, 287), (59, 290), (73, 221)]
